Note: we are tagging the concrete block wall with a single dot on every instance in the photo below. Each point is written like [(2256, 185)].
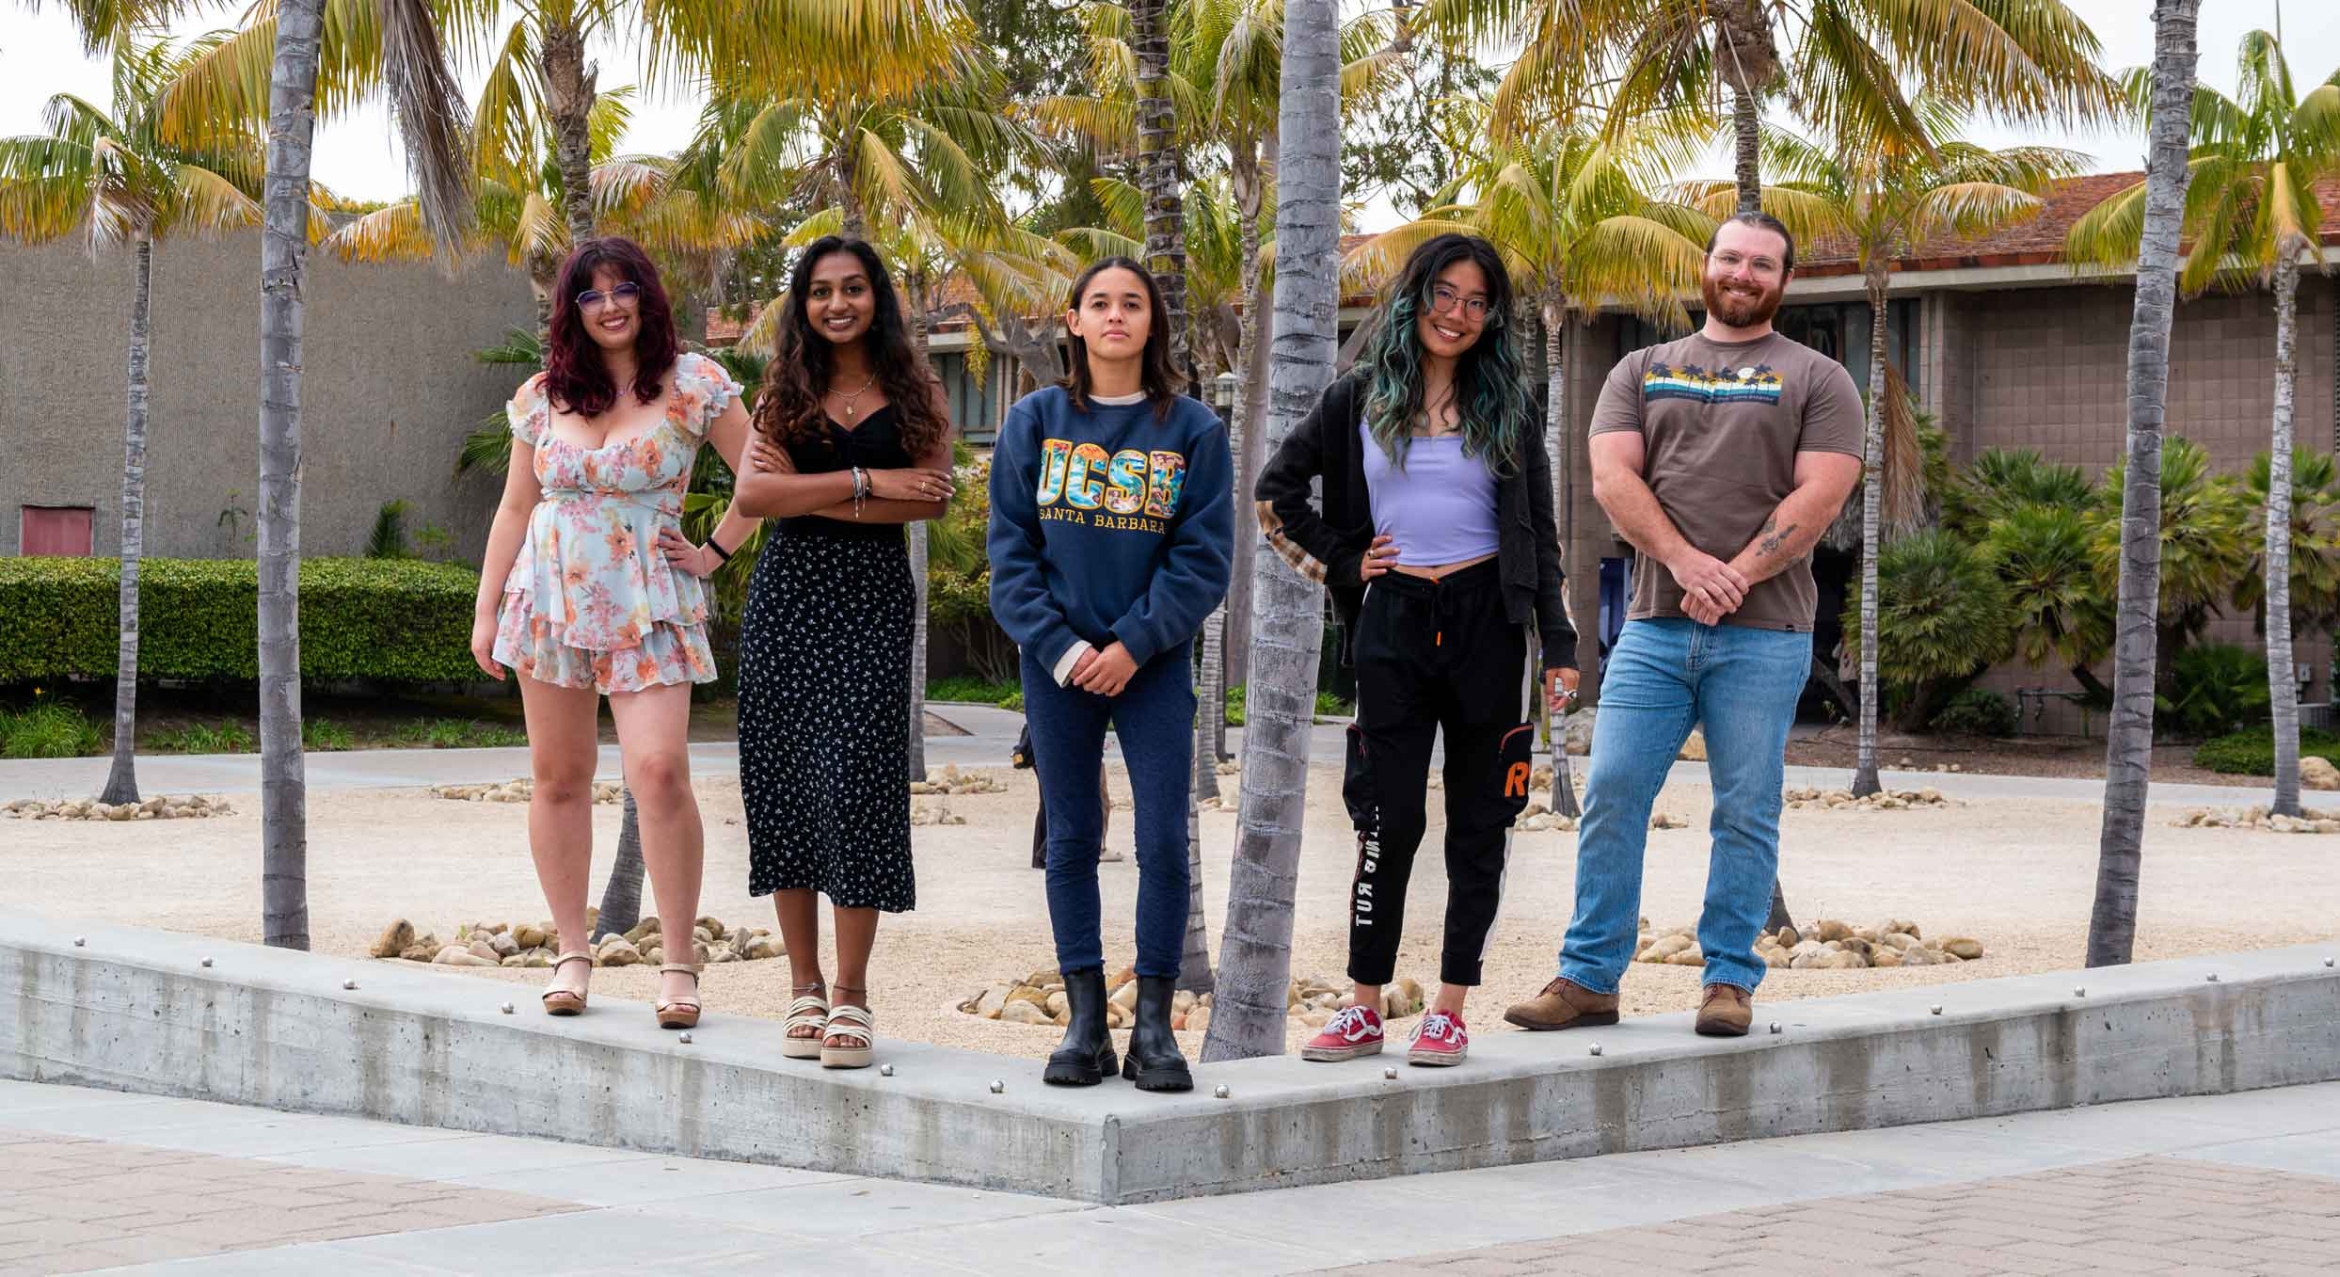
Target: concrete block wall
[(391, 389)]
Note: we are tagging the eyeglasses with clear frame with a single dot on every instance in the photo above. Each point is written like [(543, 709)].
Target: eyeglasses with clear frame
[(625, 294), (1443, 299)]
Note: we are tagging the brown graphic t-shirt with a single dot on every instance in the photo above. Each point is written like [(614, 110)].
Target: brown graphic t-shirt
[(1722, 423)]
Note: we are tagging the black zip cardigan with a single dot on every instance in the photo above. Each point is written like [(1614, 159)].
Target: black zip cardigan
[(1327, 546)]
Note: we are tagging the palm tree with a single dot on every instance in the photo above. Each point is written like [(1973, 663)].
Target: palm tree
[(1887, 197), (1569, 210), (1255, 949), (917, 157), (2252, 210), (1849, 68), (2313, 540), (2205, 542), (2128, 750), (109, 176)]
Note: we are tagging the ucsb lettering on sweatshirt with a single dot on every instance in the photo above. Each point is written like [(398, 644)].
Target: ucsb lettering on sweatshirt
[(1108, 524)]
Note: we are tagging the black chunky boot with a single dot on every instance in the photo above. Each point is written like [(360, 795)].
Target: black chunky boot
[(1154, 1061), (1085, 1057)]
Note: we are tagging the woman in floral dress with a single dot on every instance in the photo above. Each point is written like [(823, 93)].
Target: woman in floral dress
[(589, 589)]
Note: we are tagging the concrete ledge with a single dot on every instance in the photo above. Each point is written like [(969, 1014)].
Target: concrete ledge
[(136, 1010)]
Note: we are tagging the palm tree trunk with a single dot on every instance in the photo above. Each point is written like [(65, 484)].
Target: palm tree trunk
[(855, 224), (1865, 779), (1194, 963), (1746, 121), (284, 249), (1158, 167), (1255, 948), (1556, 428), (1242, 420), (621, 895), (2282, 688), (122, 778), (569, 91), (921, 334), (917, 741), (2128, 748)]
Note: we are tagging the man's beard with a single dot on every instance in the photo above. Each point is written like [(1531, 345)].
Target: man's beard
[(1737, 311)]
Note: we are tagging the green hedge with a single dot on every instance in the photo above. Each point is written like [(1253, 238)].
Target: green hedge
[(391, 620), (2251, 752)]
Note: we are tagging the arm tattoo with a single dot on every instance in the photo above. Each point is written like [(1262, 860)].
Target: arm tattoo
[(1774, 536)]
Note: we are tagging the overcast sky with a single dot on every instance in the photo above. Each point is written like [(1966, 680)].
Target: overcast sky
[(356, 155)]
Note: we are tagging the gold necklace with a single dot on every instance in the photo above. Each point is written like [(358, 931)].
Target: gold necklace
[(855, 398)]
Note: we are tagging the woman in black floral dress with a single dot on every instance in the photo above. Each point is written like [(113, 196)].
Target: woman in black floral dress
[(855, 441)]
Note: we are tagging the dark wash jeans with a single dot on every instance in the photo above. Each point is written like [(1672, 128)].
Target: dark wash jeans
[(1154, 720)]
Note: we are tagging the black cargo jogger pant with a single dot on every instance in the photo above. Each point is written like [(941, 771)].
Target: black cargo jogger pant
[(1431, 656)]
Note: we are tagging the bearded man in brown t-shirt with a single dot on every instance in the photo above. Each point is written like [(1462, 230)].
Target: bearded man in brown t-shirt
[(1721, 458)]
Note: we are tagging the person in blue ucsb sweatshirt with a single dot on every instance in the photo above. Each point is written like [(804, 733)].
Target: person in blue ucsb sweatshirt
[(1112, 526)]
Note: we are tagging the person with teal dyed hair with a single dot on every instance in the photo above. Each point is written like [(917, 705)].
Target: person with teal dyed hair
[(1435, 537)]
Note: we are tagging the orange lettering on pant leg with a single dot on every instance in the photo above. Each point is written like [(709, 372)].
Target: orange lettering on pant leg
[(1515, 783)]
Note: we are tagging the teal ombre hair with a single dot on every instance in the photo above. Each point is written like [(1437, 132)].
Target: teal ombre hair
[(1491, 389)]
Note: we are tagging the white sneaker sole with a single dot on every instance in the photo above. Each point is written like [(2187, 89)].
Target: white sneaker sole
[(1436, 1059), (1336, 1054)]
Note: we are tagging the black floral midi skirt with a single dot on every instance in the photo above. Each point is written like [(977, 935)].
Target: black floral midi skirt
[(824, 719)]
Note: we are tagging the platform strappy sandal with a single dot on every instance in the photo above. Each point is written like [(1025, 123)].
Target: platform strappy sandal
[(566, 1001), (679, 1014), (810, 1010), (855, 1025)]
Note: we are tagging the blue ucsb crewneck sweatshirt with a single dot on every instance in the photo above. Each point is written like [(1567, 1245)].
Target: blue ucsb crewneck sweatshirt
[(1108, 524)]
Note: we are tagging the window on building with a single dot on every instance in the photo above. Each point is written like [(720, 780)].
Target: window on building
[(54, 531)]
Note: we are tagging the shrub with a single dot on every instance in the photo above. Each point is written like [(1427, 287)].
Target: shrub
[(323, 735), (2252, 752), (1942, 617), (203, 738), (977, 691), (49, 730), (2214, 688), (1977, 712), (389, 620)]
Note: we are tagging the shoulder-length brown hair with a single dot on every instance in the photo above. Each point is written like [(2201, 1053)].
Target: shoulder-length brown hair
[(1156, 375), (789, 408), (576, 378)]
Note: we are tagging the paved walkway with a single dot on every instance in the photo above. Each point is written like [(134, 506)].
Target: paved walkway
[(991, 734), (93, 1180)]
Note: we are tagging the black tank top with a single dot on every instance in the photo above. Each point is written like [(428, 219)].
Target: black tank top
[(875, 444)]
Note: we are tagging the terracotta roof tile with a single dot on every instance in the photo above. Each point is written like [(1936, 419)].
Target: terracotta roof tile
[(2037, 242)]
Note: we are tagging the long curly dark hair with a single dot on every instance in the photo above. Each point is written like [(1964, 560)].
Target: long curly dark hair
[(1160, 380), (575, 377), (790, 408)]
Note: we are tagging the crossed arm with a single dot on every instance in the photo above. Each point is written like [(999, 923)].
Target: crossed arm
[(1711, 588)]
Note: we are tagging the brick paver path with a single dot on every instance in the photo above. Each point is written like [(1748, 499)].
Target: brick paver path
[(68, 1205), (2141, 1215)]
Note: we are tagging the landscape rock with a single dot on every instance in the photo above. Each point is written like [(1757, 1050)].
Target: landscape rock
[(617, 951), (2318, 773), (1023, 1012), (396, 939), (1831, 929), (1694, 748), (456, 955), (1962, 947)]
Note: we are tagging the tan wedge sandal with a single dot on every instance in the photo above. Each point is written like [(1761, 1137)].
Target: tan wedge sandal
[(680, 1013), (854, 1025), (809, 1011), (567, 1001)]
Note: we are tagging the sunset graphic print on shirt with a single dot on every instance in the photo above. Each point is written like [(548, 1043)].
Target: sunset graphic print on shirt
[(1757, 384), (1127, 490)]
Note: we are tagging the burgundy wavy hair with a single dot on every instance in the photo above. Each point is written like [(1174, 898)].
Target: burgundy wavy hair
[(576, 379)]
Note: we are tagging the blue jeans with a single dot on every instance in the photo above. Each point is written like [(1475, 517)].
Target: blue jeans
[(1664, 677), (1154, 720)]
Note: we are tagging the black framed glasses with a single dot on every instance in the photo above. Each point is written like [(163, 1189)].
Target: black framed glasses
[(625, 294)]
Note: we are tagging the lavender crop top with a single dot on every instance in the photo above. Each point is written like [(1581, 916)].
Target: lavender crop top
[(1440, 508)]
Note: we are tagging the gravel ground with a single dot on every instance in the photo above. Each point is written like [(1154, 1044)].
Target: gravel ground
[(2018, 875)]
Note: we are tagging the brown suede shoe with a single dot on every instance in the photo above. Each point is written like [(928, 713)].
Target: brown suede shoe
[(1725, 1011), (1563, 1005)]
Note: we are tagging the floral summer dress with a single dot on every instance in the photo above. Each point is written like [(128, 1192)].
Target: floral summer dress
[(591, 600)]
